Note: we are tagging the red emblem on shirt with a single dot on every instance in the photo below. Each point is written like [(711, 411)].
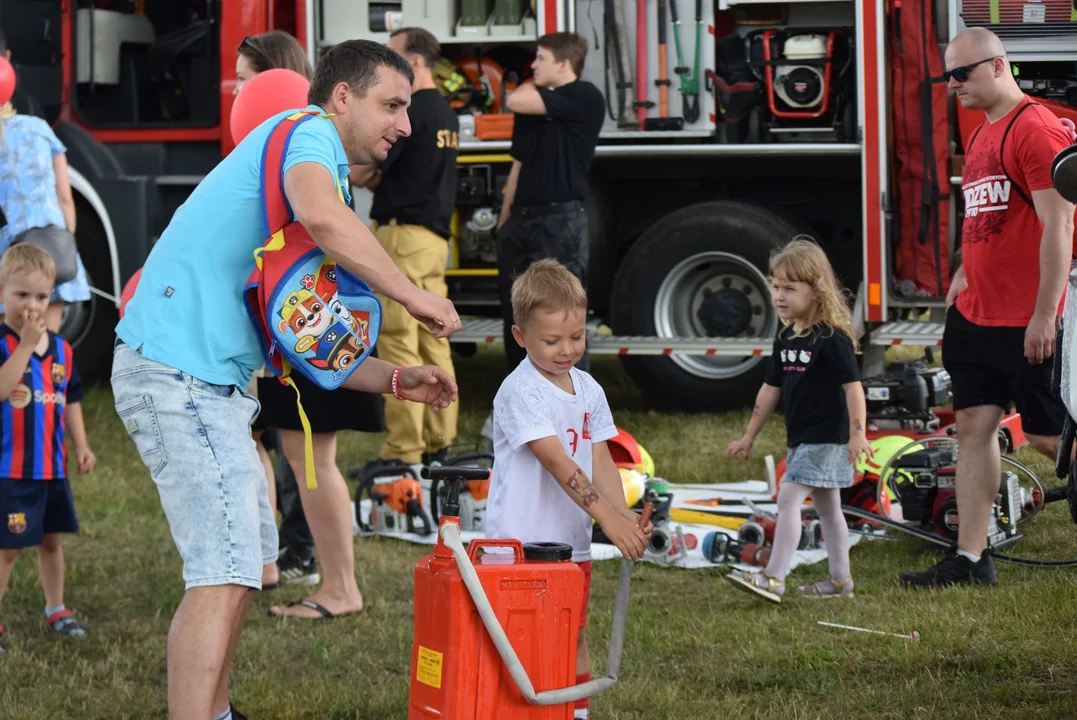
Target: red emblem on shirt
[(586, 426)]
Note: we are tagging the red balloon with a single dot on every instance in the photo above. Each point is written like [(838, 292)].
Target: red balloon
[(265, 95), (129, 290), (7, 80)]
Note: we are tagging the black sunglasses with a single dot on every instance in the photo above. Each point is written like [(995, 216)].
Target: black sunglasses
[(248, 43), (961, 74)]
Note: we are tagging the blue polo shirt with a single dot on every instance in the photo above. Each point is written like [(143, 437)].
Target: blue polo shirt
[(188, 311)]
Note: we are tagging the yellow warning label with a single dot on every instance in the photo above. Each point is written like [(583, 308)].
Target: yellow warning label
[(428, 670)]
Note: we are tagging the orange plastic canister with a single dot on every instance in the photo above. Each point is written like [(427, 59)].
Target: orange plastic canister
[(456, 671)]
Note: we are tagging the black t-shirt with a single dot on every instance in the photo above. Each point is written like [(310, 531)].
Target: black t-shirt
[(418, 185), (556, 149), (810, 371)]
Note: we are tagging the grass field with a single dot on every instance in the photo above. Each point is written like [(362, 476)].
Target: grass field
[(696, 648)]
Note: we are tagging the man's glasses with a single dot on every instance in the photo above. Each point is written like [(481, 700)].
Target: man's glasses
[(961, 74), (248, 43)]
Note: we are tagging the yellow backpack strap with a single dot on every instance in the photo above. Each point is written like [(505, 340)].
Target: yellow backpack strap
[(308, 438)]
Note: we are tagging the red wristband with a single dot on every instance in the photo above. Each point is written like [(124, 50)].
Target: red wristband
[(396, 382)]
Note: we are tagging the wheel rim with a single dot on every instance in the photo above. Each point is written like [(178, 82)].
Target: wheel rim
[(77, 318), (714, 295)]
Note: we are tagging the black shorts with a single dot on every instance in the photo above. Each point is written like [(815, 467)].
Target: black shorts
[(33, 508), (328, 411), (987, 366)]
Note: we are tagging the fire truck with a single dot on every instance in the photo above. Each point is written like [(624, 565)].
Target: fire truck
[(732, 126)]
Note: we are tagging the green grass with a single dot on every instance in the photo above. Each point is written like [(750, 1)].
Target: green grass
[(696, 648)]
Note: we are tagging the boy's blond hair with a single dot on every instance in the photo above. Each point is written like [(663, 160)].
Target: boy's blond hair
[(546, 285), (26, 258)]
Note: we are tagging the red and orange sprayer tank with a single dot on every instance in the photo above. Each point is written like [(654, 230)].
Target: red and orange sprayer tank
[(495, 635)]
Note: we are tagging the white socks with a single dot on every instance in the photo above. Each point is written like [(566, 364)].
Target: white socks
[(827, 503), (226, 715), (791, 497), (970, 556)]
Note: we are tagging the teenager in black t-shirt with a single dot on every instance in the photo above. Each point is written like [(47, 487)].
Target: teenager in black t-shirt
[(414, 196), (555, 130), (814, 371)]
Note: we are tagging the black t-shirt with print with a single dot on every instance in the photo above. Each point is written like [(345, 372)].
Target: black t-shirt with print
[(810, 371), (556, 149), (419, 182)]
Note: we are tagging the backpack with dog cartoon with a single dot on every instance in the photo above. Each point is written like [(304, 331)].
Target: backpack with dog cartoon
[(310, 315)]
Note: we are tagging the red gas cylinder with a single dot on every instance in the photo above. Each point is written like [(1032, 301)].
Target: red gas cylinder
[(456, 671)]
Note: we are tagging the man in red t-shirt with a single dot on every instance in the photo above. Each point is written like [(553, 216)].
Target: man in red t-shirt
[(1016, 246)]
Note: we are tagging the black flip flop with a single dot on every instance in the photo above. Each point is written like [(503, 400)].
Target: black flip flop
[(326, 615)]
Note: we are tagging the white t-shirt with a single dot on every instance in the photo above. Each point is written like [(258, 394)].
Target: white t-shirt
[(526, 502)]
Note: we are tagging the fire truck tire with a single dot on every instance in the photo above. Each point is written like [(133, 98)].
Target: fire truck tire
[(91, 326), (700, 272)]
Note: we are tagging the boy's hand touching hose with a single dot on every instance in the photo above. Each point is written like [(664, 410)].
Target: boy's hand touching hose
[(625, 534)]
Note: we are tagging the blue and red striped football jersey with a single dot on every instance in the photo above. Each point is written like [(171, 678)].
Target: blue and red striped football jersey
[(32, 426)]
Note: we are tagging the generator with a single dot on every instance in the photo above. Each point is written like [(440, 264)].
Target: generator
[(924, 482), (902, 398), (479, 189), (808, 80)]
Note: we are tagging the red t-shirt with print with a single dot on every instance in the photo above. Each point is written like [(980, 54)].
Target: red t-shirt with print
[(1000, 237)]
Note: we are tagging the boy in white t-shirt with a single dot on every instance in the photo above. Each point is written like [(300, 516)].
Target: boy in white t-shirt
[(551, 424)]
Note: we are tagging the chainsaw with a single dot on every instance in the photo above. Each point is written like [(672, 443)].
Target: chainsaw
[(396, 500)]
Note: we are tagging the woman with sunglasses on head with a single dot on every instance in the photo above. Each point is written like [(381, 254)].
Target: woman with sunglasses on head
[(269, 51), (328, 414)]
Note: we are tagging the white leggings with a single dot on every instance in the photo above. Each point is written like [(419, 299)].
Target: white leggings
[(827, 503)]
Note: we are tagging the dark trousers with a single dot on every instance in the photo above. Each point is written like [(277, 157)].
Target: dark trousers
[(295, 535), (557, 231)]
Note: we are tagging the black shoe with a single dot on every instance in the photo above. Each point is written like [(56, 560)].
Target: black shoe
[(953, 569), (296, 571), (236, 714)]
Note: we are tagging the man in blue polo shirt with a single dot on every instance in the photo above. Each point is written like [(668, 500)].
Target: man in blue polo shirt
[(187, 348)]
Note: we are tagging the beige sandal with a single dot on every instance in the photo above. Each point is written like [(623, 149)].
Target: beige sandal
[(753, 583), (819, 589)]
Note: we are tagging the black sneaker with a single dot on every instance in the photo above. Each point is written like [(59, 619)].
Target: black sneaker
[(953, 569), (299, 572), (236, 714)]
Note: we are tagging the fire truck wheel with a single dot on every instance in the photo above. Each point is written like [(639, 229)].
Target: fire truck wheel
[(90, 326), (700, 272)]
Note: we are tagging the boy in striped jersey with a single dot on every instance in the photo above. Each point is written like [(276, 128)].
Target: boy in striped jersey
[(40, 393)]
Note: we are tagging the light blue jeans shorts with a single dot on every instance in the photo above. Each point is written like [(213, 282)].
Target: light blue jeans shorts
[(195, 439), (822, 465)]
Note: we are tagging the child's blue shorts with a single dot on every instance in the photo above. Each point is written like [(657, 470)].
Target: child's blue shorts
[(31, 508)]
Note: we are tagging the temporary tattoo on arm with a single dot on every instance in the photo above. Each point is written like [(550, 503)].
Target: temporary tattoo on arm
[(755, 410), (859, 427), (583, 487)]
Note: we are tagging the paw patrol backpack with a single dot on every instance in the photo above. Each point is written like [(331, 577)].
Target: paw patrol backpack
[(310, 315)]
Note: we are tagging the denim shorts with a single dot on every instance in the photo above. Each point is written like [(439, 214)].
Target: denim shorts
[(195, 439), (824, 465)]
